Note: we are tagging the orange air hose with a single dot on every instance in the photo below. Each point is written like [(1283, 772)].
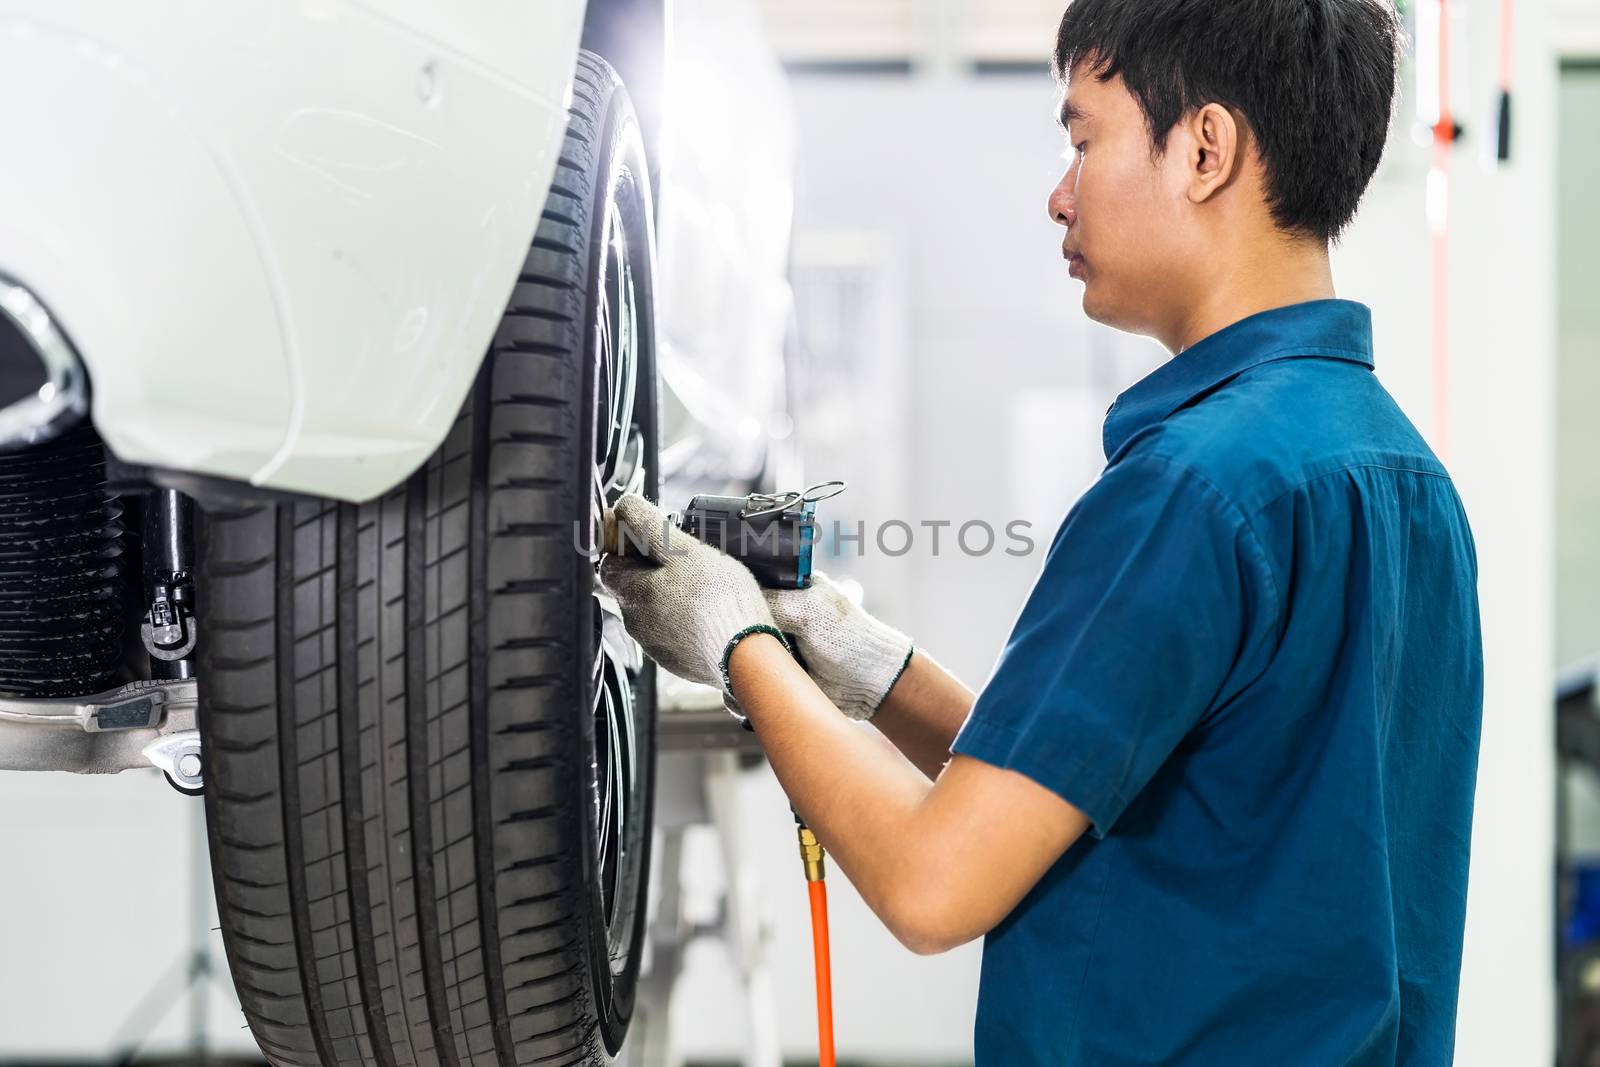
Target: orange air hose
[(811, 854), (819, 942)]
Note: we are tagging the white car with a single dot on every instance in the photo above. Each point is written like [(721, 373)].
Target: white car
[(327, 329)]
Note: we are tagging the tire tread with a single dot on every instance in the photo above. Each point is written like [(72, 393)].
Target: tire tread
[(388, 710)]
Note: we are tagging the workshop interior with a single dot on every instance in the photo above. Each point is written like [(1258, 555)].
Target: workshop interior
[(332, 331)]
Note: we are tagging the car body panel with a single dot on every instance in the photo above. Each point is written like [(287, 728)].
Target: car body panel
[(280, 234)]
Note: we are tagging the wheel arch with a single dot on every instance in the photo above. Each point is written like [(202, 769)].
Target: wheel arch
[(631, 35)]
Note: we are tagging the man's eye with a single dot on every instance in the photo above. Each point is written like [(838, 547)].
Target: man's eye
[(1073, 150)]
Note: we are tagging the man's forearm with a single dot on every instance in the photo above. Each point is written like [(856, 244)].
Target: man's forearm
[(923, 712), (939, 863), (858, 797)]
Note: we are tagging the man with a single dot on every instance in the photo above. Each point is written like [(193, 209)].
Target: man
[(1213, 805)]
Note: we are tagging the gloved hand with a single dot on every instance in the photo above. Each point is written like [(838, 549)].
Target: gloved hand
[(689, 604), (854, 658)]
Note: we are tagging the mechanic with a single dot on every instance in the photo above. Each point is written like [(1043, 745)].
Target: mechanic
[(1214, 803)]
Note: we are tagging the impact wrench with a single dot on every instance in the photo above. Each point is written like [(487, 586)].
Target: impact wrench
[(773, 534)]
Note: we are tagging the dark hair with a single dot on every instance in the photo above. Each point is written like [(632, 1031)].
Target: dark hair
[(1315, 80)]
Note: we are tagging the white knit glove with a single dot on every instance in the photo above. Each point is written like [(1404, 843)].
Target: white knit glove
[(854, 658), (689, 604)]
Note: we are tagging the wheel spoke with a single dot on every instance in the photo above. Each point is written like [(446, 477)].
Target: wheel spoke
[(605, 719), (620, 707), (617, 327)]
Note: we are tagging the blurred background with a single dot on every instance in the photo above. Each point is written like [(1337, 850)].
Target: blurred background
[(942, 365)]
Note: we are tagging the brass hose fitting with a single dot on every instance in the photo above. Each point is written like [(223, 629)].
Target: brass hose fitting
[(811, 854)]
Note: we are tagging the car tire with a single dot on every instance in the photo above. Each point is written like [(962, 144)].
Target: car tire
[(428, 745)]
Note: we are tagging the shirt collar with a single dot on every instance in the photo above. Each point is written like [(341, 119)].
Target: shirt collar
[(1336, 329)]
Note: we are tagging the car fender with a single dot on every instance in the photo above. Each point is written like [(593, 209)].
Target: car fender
[(280, 235)]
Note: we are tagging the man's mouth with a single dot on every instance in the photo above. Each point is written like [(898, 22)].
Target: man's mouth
[(1074, 263)]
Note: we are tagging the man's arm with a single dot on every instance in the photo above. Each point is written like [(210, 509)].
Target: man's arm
[(940, 864), (869, 671), (923, 712)]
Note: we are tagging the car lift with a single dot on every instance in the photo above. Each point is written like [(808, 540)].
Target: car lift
[(702, 756)]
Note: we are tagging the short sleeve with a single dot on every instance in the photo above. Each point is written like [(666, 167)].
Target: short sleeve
[(1152, 593)]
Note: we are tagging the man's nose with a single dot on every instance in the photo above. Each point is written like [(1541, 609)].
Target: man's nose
[(1063, 205)]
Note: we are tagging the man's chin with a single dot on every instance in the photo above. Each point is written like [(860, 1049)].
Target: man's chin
[(1093, 306), (1098, 308)]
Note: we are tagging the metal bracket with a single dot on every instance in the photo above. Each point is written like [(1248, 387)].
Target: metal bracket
[(141, 724), (178, 754)]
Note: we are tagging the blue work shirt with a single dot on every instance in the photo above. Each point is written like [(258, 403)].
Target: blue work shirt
[(1252, 660)]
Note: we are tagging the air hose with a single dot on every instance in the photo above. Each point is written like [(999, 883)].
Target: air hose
[(811, 854)]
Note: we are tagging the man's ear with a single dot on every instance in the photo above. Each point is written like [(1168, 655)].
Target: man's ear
[(1216, 151)]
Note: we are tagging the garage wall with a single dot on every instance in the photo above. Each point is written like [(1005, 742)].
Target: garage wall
[(1578, 431)]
